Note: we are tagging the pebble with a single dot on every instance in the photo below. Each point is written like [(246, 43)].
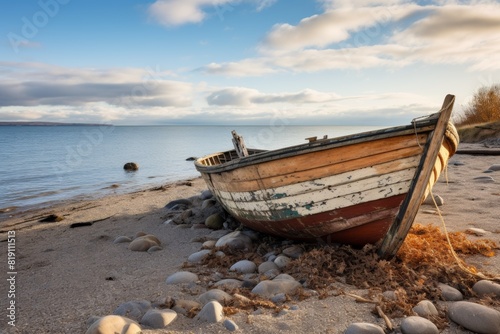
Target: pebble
[(133, 309), (475, 317), (154, 249), (209, 244), (279, 298), (230, 325), (236, 240), (282, 261), (293, 252), (182, 277), (215, 221), (158, 318), (418, 325), (122, 239), (425, 308), (140, 234), (449, 293), (199, 256), (267, 266), (476, 231), (268, 289), (364, 328), (439, 200), (112, 324), (484, 179), (495, 167), (208, 203), (214, 294), (459, 163), (244, 267), (143, 243), (206, 194), (131, 166), (212, 312), (485, 287)]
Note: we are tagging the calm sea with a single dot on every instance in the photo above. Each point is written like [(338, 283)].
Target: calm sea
[(42, 164)]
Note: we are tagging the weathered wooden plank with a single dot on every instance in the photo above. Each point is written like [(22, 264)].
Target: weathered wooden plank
[(245, 184), (341, 184), (265, 211)]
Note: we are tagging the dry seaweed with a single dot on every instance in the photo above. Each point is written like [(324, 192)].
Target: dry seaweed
[(424, 261)]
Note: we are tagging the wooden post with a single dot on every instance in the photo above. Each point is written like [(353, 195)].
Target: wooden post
[(409, 208), (239, 145)]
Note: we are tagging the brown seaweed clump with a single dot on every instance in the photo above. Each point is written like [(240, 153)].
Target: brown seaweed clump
[(424, 261)]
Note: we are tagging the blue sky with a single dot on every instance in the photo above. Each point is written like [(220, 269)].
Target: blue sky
[(322, 62)]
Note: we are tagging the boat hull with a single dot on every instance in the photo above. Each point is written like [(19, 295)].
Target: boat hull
[(345, 190)]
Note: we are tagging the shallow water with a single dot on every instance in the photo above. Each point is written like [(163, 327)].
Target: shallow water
[(41, 164)]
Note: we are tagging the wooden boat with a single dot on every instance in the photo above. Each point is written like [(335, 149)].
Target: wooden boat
[(357, 189)]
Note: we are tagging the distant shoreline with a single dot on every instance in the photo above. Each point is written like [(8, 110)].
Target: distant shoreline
[(50, 124)]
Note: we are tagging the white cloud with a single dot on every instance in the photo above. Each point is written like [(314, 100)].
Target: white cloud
[(383, 33), (34, 84), (244, 97), (179, 12), (243, 68)]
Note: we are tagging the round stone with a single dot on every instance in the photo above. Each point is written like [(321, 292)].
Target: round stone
[(212, 312), (425, 308), (364, 328), (266, 266), (182, 277), (199, 256), (244, 267), (230, 325), (282, 261), (215, 221), (131, 167), (268, 289), (112, 324), (154, 249), (485, 287), (209, 244), (293, 252), (418, 325), (122, 239), (215, 294), (449, 293), (236, 240), (484, 179), (475, 317), (158, 318), (495, 167)]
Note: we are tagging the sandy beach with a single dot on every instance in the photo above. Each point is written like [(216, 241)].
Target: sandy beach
[(66, 275)]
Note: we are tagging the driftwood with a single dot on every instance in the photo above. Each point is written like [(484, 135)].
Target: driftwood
[(89, 223), (479, 152)]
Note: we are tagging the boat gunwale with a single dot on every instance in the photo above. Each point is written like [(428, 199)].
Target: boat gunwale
[(416, 128)]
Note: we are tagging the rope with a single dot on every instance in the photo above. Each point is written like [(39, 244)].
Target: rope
[(414, 121), (457, 259)]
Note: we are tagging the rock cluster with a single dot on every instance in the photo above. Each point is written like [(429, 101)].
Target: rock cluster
[(141, 242), (249, 282)]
